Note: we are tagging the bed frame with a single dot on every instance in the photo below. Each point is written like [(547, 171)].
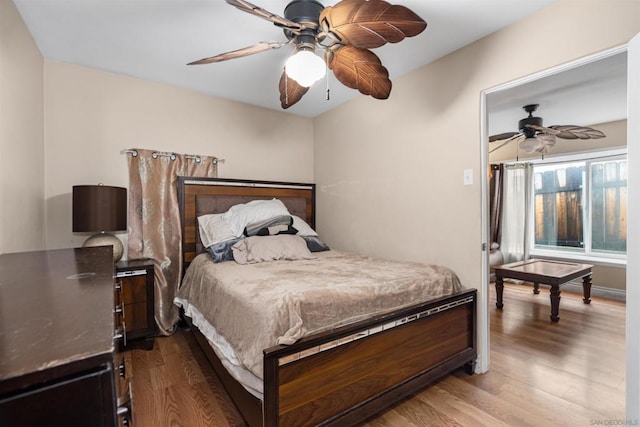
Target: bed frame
[(349, 374)]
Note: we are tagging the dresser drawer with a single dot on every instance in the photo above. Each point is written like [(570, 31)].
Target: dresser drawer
[(84, 400)]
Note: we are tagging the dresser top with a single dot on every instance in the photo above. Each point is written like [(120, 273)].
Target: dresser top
[(56, 310)]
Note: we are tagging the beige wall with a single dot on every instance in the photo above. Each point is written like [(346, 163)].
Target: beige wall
[(389, 173), (21, 136), (92, 115)]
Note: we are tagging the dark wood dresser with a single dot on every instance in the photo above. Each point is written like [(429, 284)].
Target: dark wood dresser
[(58, 361)]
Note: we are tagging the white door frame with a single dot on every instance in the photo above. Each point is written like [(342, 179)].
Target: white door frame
[(633, 233)]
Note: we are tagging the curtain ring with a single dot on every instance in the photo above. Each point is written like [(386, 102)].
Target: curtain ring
[(154, 154)]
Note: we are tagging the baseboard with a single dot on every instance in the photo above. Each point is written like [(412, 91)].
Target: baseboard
[(596, 291)]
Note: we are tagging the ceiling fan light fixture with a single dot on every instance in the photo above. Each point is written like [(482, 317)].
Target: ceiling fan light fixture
[(305, 67), (530, 145)]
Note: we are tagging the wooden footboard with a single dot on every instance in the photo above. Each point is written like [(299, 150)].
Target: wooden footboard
[(343, 376)]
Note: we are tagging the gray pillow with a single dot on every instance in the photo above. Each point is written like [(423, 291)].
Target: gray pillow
[(257, 249), (223, 251)]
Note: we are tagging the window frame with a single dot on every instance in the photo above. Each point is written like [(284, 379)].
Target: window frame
[(587, 255)]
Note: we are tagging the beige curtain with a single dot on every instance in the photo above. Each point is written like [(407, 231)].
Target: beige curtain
[(154, 220)]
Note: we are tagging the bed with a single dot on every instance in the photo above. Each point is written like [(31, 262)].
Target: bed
[(337, 375)]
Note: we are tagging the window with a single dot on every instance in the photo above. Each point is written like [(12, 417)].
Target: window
[(609, 206), (581, 206)]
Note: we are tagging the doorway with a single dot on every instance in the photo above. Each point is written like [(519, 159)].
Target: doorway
[(565, 95)]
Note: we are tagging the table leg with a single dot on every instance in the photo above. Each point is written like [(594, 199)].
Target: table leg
[(536, 288), (586, 289), (499, 289), (555, 303)]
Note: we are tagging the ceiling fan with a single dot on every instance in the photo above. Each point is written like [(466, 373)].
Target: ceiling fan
[(533, 137), (344, 32)]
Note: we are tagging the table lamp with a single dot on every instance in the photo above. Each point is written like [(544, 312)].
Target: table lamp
[(100, 209)]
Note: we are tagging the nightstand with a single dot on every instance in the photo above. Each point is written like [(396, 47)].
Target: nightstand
[(135, 298)]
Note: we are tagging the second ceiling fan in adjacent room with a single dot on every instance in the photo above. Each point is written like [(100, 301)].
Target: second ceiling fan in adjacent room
[(532, 137)]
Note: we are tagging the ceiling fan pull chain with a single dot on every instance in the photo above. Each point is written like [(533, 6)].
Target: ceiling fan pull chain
[(328, 89), (286, 88)]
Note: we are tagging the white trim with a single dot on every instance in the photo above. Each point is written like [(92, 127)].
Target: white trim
[(633, 232), (613, 261), (592, 155), (597, 291), (483, 338)]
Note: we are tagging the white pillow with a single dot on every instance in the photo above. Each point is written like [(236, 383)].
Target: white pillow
[(239, 216), (214, 229), (303, 228)]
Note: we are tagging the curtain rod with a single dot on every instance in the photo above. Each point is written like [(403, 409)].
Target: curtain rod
[(172, 156)]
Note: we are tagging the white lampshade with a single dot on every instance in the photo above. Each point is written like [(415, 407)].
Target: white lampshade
[(305, 67), (530, 145)]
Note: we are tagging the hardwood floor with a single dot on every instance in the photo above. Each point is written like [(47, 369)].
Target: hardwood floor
[(570, 373)]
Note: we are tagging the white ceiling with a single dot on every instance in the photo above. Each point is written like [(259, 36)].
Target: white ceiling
[(153, 40)]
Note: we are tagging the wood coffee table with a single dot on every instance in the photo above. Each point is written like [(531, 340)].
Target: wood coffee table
[(553, 273)]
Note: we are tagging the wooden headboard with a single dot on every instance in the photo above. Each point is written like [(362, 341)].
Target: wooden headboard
[(199, 196)]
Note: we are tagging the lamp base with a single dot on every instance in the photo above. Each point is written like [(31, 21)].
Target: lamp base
[(106, 239)]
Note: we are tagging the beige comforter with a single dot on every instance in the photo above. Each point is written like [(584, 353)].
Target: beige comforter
[(256, 306)]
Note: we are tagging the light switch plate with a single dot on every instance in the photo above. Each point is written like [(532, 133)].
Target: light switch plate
[(467, 177)]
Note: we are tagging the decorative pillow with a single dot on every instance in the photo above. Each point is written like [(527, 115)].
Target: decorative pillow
[(271, 248), (276, 225), (223, 251), (214, 229), (241, 215), (309, 235), (303, 228), (314, 244)]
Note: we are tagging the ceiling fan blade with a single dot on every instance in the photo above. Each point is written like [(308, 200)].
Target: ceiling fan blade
[(256, 48), (360, 69), (501, 136), (245, 6), (517, 138), (290, 91), (577, 132), (368, 24)]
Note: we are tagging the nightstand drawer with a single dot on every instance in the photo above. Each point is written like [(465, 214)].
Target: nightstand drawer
[(136, 317), (134, 288), (135, 293)]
